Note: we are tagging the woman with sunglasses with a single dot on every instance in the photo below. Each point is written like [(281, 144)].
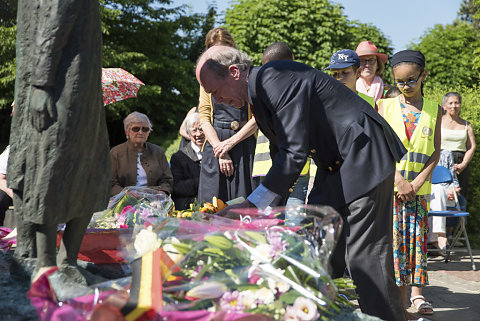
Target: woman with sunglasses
[(417, 122), (138, 163)]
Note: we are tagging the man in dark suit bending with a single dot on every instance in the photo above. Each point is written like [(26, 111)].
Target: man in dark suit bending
[(304, 112)]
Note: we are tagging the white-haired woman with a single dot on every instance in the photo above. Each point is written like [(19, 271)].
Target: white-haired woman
[(138, 163), (186, 164)]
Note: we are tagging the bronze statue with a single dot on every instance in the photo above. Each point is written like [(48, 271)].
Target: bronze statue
[(59, 166)]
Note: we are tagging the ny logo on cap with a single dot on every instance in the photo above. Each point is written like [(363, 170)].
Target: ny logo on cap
[(342, 56)]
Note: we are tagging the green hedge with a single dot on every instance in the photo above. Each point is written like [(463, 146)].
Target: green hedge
[(471, 112)]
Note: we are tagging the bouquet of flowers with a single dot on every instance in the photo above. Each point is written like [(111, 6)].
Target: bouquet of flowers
[(132, 206), (245, 266), (216, 267)]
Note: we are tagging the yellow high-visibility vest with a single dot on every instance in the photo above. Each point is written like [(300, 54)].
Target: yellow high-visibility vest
[(369, 99), (421, 145), (262, 161)]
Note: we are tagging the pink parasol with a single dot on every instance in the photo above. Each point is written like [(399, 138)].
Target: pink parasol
[(118, 84)]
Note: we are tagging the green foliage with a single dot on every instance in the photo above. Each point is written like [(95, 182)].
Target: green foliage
[(8, 12), (172, 148), (471, 112), (7, 65), (469, 10), (155, 44), (313, 29), (449, 51), (476, 16)]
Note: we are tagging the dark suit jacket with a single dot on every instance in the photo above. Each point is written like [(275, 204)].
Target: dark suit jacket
[(306, 112), (185, 167), (153, 160)]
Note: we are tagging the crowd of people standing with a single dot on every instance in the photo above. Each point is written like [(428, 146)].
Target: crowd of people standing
[(220, 150)]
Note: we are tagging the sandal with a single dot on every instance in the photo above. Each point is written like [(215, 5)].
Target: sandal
[(425, 307)]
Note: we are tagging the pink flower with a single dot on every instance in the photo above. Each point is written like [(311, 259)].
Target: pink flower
[(277, 244), (253, 276), (230, 302)]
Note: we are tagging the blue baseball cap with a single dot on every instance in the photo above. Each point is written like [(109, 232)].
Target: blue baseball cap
[(344, 58)]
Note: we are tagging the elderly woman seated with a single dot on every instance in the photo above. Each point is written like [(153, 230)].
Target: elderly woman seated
[(186, 164), (138, 163)]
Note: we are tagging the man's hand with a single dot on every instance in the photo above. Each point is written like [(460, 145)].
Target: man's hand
[(42, 113)]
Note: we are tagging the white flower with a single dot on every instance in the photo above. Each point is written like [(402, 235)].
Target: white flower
[(208, 290), (173, 252), (306, 309), (275, 283), (146, 241), (265, 295), (248, 299), (262, 254)]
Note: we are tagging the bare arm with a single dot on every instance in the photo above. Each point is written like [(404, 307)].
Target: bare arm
[(246, 131), (225, 162), (471, 146)]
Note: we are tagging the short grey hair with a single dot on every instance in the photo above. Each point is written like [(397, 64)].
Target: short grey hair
[(450, 94), (220, 60), (190, 120), (136, 117)]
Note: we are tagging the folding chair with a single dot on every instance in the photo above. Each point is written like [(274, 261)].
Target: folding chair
[(442, 175)]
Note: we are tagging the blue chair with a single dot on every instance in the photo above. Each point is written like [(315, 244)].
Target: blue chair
[(442, 175)]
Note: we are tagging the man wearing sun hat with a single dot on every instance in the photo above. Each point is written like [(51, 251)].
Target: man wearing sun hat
[(371, 69)]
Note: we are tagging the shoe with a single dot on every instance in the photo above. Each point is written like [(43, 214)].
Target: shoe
[(443, 251), (424, 308)]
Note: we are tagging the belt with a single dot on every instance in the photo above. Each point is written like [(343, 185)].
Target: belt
[(233, 125)]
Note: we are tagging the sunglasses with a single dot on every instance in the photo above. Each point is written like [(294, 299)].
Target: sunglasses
[(137, 129)]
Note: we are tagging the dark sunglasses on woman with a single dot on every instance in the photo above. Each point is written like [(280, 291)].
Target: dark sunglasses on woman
[(137, 129)]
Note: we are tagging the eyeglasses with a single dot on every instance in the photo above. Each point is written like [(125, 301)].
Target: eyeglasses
[(195, 130), (137, 129), (370, 61), (410, 83)]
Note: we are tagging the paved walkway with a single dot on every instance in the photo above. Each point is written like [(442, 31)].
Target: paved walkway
[(454, 289)]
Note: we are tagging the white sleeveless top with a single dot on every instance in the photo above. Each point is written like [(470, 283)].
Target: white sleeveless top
[(455, 139)]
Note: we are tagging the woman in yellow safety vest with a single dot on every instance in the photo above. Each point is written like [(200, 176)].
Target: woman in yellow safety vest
[(414, 119)]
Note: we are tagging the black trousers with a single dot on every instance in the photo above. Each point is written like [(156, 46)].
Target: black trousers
[(365, 247)]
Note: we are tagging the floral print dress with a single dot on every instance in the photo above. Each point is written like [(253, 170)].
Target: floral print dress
[(410, 227)]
